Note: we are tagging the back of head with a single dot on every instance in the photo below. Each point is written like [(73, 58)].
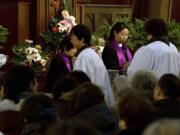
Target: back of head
[(56, 70), (82, 32), (135, 110), (19, 79), (66, 43), (163, 127), (74, 127), (87, 95), (63, 85), (170, 85), (117, 27), (144, 80), (80, 76), (156, 27), (38, 108), (120, 86)]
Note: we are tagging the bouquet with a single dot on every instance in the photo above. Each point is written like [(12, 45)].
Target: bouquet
[(26, 53), (57, 29), (55, 33)]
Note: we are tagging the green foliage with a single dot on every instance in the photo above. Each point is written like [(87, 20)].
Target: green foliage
[(174, 33), (18, 50), (3, 34), (137, 35), (53, 39), (103, 30), (52, 21)]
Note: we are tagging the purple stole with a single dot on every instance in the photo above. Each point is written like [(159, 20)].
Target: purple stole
[(119, 52), (66, 61)]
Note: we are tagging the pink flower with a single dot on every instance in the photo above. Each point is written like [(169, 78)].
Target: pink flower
[(55, 29)]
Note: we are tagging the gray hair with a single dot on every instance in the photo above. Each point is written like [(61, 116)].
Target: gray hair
[(164, 127), (144, 80), (120, 85)]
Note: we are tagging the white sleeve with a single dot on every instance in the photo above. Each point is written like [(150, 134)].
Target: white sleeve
[(143, 59)]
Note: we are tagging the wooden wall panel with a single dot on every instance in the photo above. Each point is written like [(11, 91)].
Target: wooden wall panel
[(93, 15), (23, 20), (175, 15), (9, 19), (108, 2)]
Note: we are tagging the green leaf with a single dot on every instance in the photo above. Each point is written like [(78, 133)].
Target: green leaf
[(3, 34)]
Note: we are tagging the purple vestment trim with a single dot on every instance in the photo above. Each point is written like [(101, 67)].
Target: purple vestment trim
[(66, 60), (120, 54)]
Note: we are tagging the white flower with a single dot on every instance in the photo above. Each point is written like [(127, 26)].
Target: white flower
[(29, 57), (61, 27), (3, 59), (1, 133), (32, 54), (101, 41), (43, 62), (31, 50), (36, 57), (28, 41)]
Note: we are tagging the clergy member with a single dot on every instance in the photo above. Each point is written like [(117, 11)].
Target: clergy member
[(159, 55), (90, 62)]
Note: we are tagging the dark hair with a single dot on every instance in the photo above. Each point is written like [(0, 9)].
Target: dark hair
[(170, 85), (135, 110), (66, 43), (82, 32), (18, 80), (87, 95), (74, 127), (38, 108), (62, 85), (156, 27), (57, 69), (80, 76), (119, 26)]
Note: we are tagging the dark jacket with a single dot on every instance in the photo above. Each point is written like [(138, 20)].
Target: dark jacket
[(32, 129), (130, 132), (167, 108), (102, 118), (11, 122), (110, 57)]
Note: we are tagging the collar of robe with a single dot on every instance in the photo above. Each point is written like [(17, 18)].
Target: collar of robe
[(82, 48), (162, 39)]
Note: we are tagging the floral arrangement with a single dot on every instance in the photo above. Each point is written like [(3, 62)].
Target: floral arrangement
[(26, 53), (57, 29), (55, 33)]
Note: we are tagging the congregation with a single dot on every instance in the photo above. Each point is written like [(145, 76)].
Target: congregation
[(80, 97)]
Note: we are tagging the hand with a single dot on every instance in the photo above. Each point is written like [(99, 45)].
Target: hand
[(126, 65)]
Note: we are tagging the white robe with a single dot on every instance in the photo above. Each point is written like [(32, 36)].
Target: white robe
[(157, 57), (89, 62)]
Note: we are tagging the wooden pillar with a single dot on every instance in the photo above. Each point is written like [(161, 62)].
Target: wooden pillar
[(175, 15)]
